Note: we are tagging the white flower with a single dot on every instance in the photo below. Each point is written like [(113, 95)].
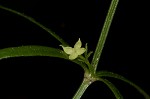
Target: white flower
[(74, 52)]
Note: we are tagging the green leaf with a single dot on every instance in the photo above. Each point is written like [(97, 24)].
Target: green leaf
[(114, 75), (35, 22), (31, 51), (34, 50), (112, 88)]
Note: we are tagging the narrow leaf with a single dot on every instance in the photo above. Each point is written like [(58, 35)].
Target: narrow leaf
[(35, 22), (31, 51), (112, 88), (114, 75), (34, 50)]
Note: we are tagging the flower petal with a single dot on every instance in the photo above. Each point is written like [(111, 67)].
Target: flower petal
[(68, 50), (73, 56), (78, 44), (80, 51)]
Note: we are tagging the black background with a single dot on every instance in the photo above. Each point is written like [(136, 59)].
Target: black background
[(126, 50)]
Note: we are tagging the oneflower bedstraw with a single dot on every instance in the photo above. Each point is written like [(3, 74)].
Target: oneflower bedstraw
[(74, 52), (90, 69)]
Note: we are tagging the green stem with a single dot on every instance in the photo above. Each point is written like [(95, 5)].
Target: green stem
[(87, 81), (104, 33), (81, 89), (35, 22), (86, 61)]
